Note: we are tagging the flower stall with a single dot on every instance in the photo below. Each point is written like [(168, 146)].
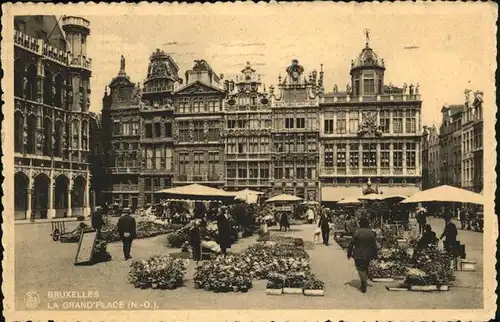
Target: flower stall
[(159, 271), (223, 274)]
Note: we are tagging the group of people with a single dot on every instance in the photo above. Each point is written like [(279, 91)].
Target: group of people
[(363, 247)]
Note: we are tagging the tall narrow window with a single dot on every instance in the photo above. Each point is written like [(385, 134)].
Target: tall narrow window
[(397, 120), (341, 122), (328, 155), (341, 157), (384, 156), (353, 122), (369, 84), (385, 120), (410, 154), (353, 157), (328, 126), (149, 130), (289, 123), (369, 157), (183, 131), (411, 122), (198, 162), (198, 131), (397, 158)]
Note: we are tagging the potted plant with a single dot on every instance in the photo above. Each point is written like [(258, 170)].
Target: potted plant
[(314, 287), (294, 283)]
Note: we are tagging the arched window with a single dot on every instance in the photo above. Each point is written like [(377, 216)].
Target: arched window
[(58, 97), (19, 74), (47, 88), (18, 132), (32, 86)]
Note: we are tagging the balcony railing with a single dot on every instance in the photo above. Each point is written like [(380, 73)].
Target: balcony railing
[(247, 182), (370, 98), (330, 171)]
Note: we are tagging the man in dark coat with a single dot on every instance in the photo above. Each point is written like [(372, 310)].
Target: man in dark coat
[(224, 232), (450, 235), (127, 230), (363, 249), (325, 227)]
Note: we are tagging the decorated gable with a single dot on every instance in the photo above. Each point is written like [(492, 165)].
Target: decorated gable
[(199, 88)]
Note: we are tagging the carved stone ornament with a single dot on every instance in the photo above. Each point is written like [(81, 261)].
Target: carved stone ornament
[(295, 70), (40, 138), (369, 126), (25, 137)]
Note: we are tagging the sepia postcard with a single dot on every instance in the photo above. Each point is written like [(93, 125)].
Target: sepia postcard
[(304, 161)]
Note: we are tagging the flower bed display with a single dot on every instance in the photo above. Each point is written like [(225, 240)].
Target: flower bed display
[(223, 274), (144, 229), (264, 259), (430, 266), (313, 286), (159, 271)]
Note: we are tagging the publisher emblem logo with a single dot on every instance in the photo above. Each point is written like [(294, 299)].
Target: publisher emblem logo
[(31, 300)]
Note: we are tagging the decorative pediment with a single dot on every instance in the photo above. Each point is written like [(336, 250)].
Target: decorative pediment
[(120, 81), (199, 88)]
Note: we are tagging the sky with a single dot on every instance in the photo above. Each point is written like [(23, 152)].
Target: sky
[(450, 50)]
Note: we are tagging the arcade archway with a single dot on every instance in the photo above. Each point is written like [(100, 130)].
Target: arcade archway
[(41, 196), (21, 185), (61, 196)]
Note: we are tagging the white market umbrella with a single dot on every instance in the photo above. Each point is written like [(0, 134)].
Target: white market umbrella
[(372, 197), (196, 192), (394, 196), (284, 198), (349, 201), (446, 194)]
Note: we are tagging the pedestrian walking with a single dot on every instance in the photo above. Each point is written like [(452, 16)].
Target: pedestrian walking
[(195, 241), (428, 238), (284, 224), (127, 229), (224, 232), (450, 240), (363, 248), (325, 228)]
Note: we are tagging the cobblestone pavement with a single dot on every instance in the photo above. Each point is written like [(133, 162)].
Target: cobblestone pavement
[(42, 265)]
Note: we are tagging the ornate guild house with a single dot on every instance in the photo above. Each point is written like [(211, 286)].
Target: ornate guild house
[(295, 132), (247, 133), (51, 137), (370, 134), (199, 120), (232, 134)]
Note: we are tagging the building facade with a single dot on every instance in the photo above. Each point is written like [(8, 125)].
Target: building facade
[(199, 122), (370, 134), (295, 133), (472, 142), (247, 133), (450, 144), (157, 123), (121, 137), (52, 121), (431, 165)]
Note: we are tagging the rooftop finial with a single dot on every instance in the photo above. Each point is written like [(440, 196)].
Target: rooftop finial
[(122, 66), (367, 34)]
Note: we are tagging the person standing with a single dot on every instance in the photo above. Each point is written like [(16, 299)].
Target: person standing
[(127, 230), (195, 240), (224, 232), (325, 228), (450, 235), (363, 248), (421, 220), (310, 215)]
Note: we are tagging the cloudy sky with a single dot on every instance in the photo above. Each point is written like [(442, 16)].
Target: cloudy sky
[(450, 49)]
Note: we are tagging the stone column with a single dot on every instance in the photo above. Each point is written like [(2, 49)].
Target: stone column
[(378, 159), (417, 159), (86, 205), (70, 186), (404, 157), (391, 128), (404, 121), (391, 156), (51, 212), (29, 192), (360, 158)]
